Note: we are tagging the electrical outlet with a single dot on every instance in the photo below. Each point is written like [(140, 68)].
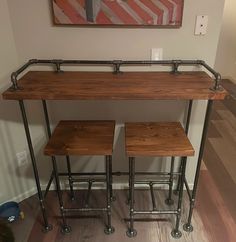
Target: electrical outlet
[(201, 25), (156, 54), (22, 158)]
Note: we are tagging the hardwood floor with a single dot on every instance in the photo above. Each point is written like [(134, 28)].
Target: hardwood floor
[(220, 155), (214, 217), (91, 229), (211, 219)]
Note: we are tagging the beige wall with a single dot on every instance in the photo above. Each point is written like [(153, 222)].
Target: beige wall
[(226, 53), (36, 37), (12, 181)]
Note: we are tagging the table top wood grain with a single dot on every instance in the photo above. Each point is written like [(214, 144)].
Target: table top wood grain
[(74, 85)]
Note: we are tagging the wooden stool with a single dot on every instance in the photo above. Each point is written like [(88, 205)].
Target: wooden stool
[(83, 138), (159, 140)]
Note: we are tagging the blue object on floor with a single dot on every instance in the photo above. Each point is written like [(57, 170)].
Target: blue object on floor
[(10, 211)]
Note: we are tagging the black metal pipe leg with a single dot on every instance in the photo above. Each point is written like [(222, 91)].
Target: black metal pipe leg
[(47, 226), (153, 196), (129, 191), (176, 192), (65, 228), (46, 116), (188, 226), (176, 232), (90, 183), (72, 193), (169, 200), (189, 112), (109, 229), (113, 198), (131, 232), (49, 184)]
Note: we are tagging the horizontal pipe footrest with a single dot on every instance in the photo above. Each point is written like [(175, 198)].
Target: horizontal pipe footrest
[(87, 180), (70, 210), (155, 212), (148, 183), (119, 173)]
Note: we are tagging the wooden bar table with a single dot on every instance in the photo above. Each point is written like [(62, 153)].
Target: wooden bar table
[(117, 85)]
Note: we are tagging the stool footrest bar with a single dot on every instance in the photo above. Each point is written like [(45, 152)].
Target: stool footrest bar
[(155, 212), (82, 180), (68, 210), (152, 182), (117, 173)]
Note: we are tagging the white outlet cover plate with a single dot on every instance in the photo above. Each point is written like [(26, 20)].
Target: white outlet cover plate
[(201, 25), (22, 158), (156, 54)]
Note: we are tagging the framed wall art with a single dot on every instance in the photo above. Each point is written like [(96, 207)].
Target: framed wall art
[(122, 13)]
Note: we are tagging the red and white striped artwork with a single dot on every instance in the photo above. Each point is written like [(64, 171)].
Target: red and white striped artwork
[(165, 13)]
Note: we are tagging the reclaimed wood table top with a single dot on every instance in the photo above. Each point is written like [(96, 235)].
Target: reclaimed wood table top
[(74, 85)]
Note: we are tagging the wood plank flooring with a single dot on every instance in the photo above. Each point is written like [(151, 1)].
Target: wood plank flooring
[(91, 228), (214, 217), (220, 151), (212, 220)]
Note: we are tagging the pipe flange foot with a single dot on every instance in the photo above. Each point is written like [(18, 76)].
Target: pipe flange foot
[(188, 228), (176, 234), (66, 229), (109, 230), (47, 228), (131, 233)]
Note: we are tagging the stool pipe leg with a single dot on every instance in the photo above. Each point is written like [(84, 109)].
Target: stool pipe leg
[(49, 184), (111, 179), (65, 227), (154, 206), (90, 183), (45, 110), (47, 226), (188, 226), (131, 232), (46, 116), (72, 194), (175, 232), (129, 194), (169, 200), (109, 229), (190, 105)]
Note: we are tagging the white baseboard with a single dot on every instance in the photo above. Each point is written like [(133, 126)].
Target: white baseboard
[(24, 195), (229, 78)]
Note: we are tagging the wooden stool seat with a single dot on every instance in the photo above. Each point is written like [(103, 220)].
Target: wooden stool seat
[(157, 139), (81, 138)]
